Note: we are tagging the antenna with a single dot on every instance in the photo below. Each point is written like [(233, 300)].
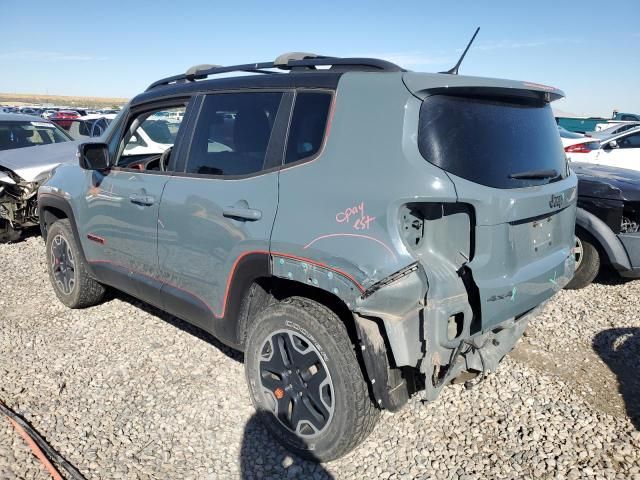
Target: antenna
[(454, 70)]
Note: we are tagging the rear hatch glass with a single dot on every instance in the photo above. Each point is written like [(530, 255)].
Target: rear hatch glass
[(497, 143)]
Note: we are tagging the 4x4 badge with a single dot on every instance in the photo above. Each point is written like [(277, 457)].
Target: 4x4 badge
[(556, 201), (507, 295)]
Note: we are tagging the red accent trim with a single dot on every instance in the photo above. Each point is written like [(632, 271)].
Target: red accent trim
[(96, 238), (230, 277), (232, 273)]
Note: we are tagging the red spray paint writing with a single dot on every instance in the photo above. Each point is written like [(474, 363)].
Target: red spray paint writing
[(362, 221)]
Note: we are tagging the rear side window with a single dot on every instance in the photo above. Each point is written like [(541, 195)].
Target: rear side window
[(487, 140), (308, 125), (232, 133), (630, 141)]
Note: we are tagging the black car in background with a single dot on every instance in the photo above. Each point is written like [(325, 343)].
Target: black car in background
[(607, 222)]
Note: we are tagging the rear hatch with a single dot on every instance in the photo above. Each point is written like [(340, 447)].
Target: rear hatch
[(499, 144)]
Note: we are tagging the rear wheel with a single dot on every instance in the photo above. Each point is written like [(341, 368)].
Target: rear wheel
[(305, 380), (587, 261), (71, 281)]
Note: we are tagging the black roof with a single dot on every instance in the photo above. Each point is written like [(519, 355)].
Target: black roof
[(318, 79), (302, 68)]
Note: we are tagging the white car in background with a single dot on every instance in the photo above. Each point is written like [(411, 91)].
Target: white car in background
[(621, 150), (153, 136), (568, 137), (612, 129), (169, 116)]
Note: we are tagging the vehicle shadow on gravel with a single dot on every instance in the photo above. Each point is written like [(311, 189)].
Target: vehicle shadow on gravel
[(608, 276), (176, 322), (619, 348), (28, 233), (261, 457)]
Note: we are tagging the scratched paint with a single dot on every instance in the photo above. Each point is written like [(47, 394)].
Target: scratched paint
[(353, 235)]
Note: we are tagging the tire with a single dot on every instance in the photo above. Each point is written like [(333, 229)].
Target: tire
[(8, 234), (344, 413), (588, 265), (67, 271)]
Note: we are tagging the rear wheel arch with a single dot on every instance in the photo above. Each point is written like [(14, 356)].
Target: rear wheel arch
[(385, 381), (271, 289), (279, 389)]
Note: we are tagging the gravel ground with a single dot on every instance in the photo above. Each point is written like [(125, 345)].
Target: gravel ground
[(124, 391)]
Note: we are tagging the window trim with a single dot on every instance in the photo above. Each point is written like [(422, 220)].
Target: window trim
[(327, 128), (279, 132)]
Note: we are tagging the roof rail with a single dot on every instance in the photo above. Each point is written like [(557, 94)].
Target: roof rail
[(286, 61), (195, 71), (282, 61)]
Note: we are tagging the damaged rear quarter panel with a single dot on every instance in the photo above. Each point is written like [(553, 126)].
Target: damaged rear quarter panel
[(348, 217)]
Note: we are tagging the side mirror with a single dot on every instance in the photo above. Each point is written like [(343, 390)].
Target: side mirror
[(612, 144), (93, 156)]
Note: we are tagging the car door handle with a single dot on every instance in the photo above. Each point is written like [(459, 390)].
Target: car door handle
[(144, 200), (250, 214)]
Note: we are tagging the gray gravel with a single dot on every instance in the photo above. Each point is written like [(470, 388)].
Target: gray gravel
[(124, 391)]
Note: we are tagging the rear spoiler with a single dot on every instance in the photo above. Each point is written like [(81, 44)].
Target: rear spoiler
[(424, 84)]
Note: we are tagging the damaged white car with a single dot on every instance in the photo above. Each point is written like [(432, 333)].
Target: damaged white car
[(30, 148)]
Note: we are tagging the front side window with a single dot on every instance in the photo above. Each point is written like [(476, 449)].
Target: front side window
[(155, 132), (308, 125), (149, 138), (19, 134), (232, 133)]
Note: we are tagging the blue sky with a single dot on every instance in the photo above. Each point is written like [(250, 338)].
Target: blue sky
[(116, 48)]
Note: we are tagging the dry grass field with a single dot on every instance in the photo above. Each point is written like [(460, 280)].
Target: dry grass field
[(36, 98)]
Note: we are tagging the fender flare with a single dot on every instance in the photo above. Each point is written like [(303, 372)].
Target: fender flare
[(608, 240), (47, 201)]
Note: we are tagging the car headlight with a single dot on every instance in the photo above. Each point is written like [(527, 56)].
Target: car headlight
[(630, 222)]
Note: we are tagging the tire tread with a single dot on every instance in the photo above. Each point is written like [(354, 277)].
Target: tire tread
[(90, 291), (366, 414)]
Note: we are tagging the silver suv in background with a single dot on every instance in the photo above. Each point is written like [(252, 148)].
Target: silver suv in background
[(30, 147)]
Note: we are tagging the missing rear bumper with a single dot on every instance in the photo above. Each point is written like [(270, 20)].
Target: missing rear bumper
[(471, 356)]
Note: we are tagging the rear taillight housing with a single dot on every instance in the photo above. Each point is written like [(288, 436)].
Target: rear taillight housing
[(582, 147)]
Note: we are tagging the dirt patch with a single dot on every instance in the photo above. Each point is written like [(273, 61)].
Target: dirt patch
[(580, 368)]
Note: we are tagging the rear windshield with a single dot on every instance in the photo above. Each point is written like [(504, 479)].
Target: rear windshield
[(487, 140)]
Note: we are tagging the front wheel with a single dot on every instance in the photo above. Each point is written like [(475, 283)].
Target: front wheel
[(305, 380), (587, 262), (71, 281)]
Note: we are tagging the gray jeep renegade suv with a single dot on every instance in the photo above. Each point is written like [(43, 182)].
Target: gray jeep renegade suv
[(360, 231)]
